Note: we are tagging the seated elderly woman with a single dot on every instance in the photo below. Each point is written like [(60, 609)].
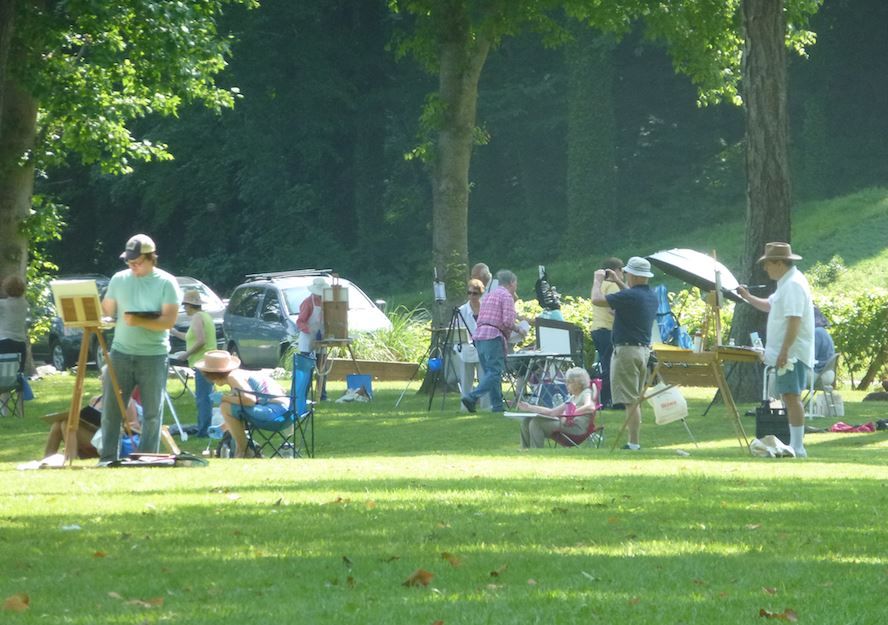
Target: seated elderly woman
[(221, 368), (573, 416)]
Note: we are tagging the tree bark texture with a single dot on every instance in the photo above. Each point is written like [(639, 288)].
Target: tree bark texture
[(462, 56), (591, 153), (767, 159), (16, 175), (7, 26)]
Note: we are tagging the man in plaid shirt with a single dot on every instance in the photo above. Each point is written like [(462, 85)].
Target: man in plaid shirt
[(496, 320)]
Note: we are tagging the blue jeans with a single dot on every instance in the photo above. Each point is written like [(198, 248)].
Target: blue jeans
[(602, 337), (202, 390), (492, 357), (149, 373)]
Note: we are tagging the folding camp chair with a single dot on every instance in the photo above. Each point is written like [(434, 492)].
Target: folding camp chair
[(823, 381), (594, 434), (11, 386), (290, 434)]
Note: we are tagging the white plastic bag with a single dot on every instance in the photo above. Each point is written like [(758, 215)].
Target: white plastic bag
[(467, 352), (669, 405)]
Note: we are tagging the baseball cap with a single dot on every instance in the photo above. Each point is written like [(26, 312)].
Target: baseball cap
[(138, 245)]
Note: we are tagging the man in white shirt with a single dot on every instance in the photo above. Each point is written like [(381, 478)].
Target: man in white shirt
[(790, 335)]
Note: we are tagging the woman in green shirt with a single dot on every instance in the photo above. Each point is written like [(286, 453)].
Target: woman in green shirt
[(200, 338)]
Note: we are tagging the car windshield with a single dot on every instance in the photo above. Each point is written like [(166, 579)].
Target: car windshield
[(356, 298)]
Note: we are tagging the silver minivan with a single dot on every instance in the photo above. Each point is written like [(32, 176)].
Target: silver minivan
[(260, 320)]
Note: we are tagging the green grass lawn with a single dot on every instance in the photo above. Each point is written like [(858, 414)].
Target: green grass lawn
[(552, 536)]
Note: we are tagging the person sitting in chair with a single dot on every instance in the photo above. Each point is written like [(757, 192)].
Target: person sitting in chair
[(221, 368), (90, 422), (574, 415)]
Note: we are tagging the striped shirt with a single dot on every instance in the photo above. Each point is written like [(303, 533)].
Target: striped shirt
[(497, 315)]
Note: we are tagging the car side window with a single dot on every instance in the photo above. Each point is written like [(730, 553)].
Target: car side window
[(244, 302), (271, 307)]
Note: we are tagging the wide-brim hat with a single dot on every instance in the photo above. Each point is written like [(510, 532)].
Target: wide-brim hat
[(318, 285), (778, 251), (137, 246), (638, 266), (217, 361), (192, 298)]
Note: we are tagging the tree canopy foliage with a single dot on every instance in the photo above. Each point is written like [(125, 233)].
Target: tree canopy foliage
[(309, 168)]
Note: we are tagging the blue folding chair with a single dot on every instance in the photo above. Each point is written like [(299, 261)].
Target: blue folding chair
[(290, 434)]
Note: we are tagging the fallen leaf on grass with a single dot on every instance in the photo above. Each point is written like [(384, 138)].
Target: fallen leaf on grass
[(115, 595), (338, 500), (350, 581), (19, 602), (786, 615), (442, 525), (634, 601), (699, 582), (454, 561), (371, 505), (769, 590), (499, 571), (438, 622), (613, 520), (531, 582), (419, 577), (753, 526), (234, 496)]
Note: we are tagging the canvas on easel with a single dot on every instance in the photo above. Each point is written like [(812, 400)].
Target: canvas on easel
[(77, 303)]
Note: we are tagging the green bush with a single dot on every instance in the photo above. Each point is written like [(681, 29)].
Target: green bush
[(407, 340), (858, 327)]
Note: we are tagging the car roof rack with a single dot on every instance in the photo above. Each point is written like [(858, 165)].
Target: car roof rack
[(296, 273)]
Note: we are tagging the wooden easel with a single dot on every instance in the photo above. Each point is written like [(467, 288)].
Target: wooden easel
[(77, 397), (682, 367)]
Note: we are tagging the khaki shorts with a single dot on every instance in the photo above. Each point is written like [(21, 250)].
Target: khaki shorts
[(628, 372)]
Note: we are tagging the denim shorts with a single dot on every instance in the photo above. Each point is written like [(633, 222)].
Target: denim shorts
[(792, 382)]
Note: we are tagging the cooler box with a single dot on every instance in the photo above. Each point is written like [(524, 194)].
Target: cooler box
[(356, 380), (771, 421)]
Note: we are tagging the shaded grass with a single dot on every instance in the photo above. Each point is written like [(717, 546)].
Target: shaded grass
[(555, 535)]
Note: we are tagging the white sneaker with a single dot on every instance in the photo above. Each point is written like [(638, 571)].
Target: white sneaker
[(801, 453)]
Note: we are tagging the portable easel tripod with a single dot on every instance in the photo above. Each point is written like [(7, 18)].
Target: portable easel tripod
[(456, 326), (439, 347)]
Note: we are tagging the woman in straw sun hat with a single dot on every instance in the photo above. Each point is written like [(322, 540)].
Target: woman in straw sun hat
[(222, 368)]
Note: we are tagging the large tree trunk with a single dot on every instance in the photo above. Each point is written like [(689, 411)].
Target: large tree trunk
[(767, 162), (462, 54), (19, 122), (461, 60), (591, 155), (7, 26)]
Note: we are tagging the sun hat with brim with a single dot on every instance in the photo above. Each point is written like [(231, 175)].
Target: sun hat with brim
[(778, 251), (217, 361), (192, 298), (318, 285), (137, 246), (638, 266)]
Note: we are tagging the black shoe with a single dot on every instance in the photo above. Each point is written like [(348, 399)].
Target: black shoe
[(469, 403)]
